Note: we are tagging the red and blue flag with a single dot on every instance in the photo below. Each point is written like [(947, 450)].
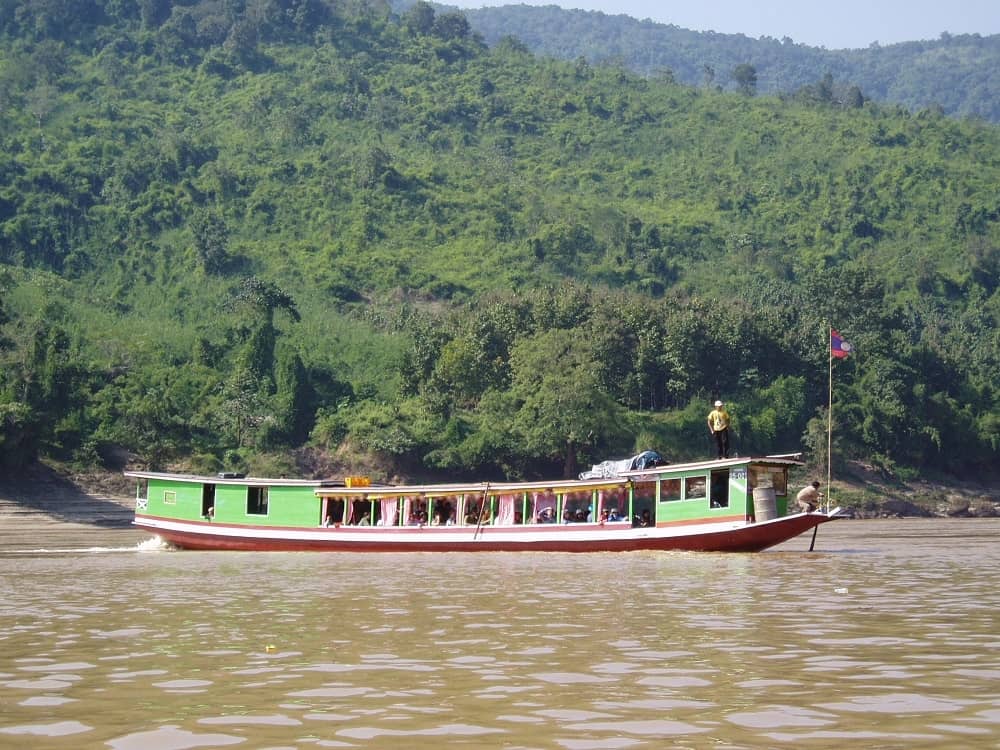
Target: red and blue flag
[(838, 347)]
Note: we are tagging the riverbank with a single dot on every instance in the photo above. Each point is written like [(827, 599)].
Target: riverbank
[(865, 493), (43, 494), (49, 493)]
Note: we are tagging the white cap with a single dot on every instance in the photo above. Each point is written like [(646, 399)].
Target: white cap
[(718, 403)]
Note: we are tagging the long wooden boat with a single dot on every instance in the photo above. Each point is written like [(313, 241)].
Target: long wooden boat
[(729, 505)]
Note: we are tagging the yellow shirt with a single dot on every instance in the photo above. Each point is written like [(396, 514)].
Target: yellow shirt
[(718, 420)]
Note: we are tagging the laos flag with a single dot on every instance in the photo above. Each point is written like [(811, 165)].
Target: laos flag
[(838, 347)]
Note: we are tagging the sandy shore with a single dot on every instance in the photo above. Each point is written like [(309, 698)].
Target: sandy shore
[(41, 496)]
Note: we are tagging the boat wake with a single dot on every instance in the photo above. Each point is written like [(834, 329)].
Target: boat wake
[(154, 544)]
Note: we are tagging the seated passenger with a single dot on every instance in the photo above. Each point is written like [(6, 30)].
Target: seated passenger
[(442, 513), (478, 516)]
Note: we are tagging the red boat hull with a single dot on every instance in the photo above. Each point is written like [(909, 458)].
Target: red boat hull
[(734, 536)]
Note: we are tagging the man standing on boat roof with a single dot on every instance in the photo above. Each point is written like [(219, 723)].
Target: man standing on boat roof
[(718, 427)]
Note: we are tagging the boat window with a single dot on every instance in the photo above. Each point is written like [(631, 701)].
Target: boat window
[(720, 489), (256, 501), (443, 512), (614, 505), (694, 488), (643, 502), (774, 477), (670, 489), (334, 512), (415, 511), (508, 510), (388, 511), (578, 507), (208, 499), (361, 513), (478, 510), (544, 506), (169, 497)]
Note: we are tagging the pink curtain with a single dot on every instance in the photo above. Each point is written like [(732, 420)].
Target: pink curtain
[(505, 511), (542, 501), (388, 512)]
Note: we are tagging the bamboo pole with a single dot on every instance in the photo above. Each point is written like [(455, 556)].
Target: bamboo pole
[(829, 419)]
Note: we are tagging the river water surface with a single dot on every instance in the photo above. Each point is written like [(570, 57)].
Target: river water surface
[(887, 636)]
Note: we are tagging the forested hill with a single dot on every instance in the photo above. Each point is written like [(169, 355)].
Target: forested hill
[(957, 73), (232, 237)]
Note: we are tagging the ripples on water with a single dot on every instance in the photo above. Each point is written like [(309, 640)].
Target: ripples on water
[(886, 637)]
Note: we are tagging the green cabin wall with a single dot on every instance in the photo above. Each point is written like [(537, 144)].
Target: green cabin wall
[(286, 505), (700, 508), (186, 499), (740, 498), (297, 506)]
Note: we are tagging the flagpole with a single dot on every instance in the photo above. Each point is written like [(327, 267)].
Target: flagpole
[(829, 418)]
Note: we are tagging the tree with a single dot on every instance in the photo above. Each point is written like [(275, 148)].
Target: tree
[(19, 423), (420, 18), (154, 12), (211, 239), (854, 98), (450, 26), (824, 89), (745, 76), (560, 410), (5, 284), (294, 398), (563, 242), (243, 409), (241, 41), (707, 75), (261, 299)]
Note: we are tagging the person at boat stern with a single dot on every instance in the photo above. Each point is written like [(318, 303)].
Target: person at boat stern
[(718, 426), (809, 497)]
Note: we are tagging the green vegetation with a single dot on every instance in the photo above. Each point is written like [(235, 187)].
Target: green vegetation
[(953, 74), (229, 233)]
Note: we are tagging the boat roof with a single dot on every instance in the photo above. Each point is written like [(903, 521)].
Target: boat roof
[(781, 459), (337, 488), (496, 488), (227, 478), (572, 485)]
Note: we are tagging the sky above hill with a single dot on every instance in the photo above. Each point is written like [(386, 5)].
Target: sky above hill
[(834, 25)]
